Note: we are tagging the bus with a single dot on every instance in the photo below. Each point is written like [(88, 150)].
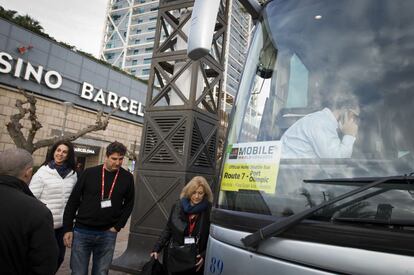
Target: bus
[(317, 175)]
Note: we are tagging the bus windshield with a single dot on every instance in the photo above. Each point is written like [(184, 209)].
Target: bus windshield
[(325, 95)]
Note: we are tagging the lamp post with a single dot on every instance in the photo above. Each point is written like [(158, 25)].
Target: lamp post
[(67, 105)]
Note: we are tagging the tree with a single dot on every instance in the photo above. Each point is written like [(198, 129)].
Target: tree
[(7, 14), (29, 23), (28, 107), (23, 20)]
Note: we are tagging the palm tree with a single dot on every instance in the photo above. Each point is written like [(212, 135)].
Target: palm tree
[(7, 14), (28, 22)]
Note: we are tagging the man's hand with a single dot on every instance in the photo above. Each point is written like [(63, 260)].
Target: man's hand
[(349, 126), (112, 229), (67, 239), (199, 263)]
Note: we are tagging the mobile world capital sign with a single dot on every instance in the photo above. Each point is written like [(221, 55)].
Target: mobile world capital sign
[(54, 80)]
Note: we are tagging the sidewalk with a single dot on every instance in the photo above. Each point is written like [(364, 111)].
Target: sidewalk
[(120, 247)]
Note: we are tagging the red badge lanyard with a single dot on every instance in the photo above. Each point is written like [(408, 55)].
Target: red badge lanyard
[(103, 183), (191, 223)]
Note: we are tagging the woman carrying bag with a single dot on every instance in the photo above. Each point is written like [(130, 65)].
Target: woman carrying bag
[(186, 232)]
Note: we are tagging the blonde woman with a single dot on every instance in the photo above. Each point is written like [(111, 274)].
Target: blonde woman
[(188, 223)]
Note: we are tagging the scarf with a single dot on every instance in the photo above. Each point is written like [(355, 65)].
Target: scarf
[(193, 209), (63, 170)]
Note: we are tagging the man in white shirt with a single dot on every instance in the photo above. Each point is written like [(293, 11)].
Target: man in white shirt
[(316, 134)]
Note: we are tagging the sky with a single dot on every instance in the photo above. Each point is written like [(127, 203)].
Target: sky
[(79, 23)]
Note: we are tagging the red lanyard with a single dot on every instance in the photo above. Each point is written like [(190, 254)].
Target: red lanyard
[(103, 183), (191, 223)]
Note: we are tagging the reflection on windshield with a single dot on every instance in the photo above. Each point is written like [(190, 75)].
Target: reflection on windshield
[(332, 81)]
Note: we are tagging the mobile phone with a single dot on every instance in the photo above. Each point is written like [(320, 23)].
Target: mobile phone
[(343, 117)]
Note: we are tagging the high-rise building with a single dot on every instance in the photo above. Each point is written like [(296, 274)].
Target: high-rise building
[(238, 39), (129, 34)]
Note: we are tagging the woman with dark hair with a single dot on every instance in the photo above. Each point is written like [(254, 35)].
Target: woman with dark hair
[(53, 183), (188, 223)]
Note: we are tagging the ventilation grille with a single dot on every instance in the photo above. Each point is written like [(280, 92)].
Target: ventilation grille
[(212, 145), (166, 124), (207, 155), (202, 160), (162, 156), (206, 160), (195, 141), (177, 140), (151, 139)]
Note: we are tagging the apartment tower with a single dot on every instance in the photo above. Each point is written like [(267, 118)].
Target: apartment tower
[(128, 40)]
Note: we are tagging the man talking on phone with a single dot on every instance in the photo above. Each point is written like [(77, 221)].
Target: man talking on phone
[(328, 133)]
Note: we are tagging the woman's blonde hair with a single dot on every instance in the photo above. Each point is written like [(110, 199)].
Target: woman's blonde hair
[(193, 184)]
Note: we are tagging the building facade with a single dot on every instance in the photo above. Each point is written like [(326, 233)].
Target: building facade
[(70, 89), (129, 34), (238, 38)]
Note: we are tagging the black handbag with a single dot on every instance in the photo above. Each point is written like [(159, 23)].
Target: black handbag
[(153, 267), (181, 257)]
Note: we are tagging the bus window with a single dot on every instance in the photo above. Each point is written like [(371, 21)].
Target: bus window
[(298, 84)]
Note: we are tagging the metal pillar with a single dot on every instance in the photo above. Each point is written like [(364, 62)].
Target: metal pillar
[(180, 133)]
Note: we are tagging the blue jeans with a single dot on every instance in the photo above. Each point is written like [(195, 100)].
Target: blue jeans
[(101, 244)]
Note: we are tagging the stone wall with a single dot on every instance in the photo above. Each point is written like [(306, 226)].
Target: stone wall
[(51, 114)]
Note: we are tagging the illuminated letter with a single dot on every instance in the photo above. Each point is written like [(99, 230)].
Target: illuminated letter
[(7, 66), (30, 71), (121, 106), (49, 83), (87, 91), (112, 99), (100, 96), (133, 107), (18, 67), (140, 111)]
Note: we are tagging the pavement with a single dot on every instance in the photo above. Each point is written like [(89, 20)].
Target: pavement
[(120, 247)]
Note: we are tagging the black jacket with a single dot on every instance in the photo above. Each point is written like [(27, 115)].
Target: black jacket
[(84, 204), (177, 227), (27, 239)]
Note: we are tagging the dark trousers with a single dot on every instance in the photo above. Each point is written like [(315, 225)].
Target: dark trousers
[(59, 238)]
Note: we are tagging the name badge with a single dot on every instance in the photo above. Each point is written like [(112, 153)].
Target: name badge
[(189, 240), (106, 204)]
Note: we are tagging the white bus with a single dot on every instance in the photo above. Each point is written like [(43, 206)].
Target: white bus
[(317, 175)]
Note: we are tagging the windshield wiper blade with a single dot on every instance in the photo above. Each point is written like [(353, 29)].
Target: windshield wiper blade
[(390, 222), (395, 179), (278, 227)]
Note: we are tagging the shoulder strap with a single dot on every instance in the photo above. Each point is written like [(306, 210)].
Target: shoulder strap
[(201, 225)]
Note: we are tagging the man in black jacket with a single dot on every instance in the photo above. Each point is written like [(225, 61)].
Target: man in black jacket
[(27, 238), (100, 203)]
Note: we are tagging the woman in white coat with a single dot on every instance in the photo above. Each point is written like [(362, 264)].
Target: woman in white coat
[(53, 183)]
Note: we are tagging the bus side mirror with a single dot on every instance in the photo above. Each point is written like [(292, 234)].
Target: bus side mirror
[(203, 21)]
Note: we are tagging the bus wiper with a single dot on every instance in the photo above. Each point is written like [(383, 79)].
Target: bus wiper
[(281, 226), (390, 222)]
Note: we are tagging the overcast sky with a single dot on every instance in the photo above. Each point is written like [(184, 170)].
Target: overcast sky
[(76, 22)]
